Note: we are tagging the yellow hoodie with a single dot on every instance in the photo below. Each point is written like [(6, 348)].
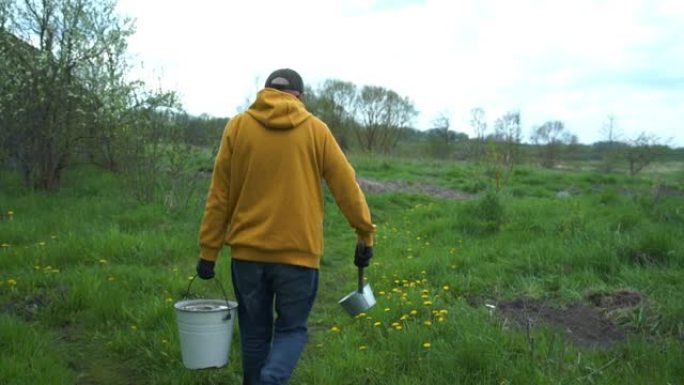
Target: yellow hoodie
[(266, 198)]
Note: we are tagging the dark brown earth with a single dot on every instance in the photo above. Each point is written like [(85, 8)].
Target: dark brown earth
[(587, 324)]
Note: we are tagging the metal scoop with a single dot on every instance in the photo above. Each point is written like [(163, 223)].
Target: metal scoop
[(359, 300)]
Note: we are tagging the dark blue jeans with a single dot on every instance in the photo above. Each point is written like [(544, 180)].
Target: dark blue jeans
[(270, 350)]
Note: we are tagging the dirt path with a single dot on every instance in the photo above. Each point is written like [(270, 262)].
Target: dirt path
[(376, 187)]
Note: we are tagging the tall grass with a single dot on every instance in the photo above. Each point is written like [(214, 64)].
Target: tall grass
[(88, 278)]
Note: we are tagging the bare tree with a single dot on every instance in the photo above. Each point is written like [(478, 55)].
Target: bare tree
[(642, 151), (382, 115), (551, 136), (479, 125), (337, 104), (508, 133)]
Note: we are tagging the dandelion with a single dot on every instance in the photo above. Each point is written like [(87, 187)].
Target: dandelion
[(427, 303), (424, 296), (381, 292), (164, 341), (361, 315), (440, 319), (398, 327), (443, 312), (363, 347), (414, 312), (168, 300), (427, 345), (11, 282), (427, 323), (387, 309), (395, 324), (133, 327), (103, 261), (334, 329), (36, 267), (10, 214), (377, 324), (53, 237), (5, 245), (403, 317), (445, 287)]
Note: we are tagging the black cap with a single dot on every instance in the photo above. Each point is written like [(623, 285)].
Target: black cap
[(285, 79)]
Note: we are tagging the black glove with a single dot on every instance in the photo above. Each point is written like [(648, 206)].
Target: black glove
[(363, 255), (205, 269)]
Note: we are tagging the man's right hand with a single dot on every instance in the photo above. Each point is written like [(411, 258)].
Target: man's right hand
[(205, 269), (362, 255)]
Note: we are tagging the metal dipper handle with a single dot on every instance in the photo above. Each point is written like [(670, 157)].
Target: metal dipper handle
[(360, 288)]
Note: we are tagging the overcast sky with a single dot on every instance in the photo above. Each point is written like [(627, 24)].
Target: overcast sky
[(576, 61)]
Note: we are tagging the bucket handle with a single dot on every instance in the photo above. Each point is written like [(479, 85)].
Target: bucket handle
[(218, 282)]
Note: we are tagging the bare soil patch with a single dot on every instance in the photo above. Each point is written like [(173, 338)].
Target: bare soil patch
[(586, 324), (376, 187)]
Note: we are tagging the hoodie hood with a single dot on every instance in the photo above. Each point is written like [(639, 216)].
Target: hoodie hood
[(278, 110)]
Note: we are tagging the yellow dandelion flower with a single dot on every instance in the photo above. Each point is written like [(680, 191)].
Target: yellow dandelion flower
[(11, 282), (424, 296), (363, 347), (377, 324), (444, 312), (381, 292), (427, 323), (445, 287), (395, 324), (168, 300), (41, 243), (5, 245), (103, 261), (134, 327), (425, 291), (334, 329), (423, 272), (440, 319), (361, 315), (387, 309), (403, 317), (398, 327), (427, 303), (427, 345), (414, 312), (36, 267)]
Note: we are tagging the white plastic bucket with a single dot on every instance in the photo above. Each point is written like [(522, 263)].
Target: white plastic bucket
[(205, 327)]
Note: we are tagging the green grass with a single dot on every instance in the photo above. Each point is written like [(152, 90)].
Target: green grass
[(88, 278)]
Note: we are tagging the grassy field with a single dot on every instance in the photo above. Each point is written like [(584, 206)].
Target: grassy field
[(561, 277)]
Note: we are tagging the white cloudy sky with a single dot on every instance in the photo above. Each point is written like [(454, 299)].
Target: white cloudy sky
[(576, 61)]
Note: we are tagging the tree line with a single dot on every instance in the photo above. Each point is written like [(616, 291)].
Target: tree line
[(66, 100)]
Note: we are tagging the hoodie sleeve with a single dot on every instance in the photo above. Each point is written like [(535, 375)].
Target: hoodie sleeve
[(216, 217), (341, 179)]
